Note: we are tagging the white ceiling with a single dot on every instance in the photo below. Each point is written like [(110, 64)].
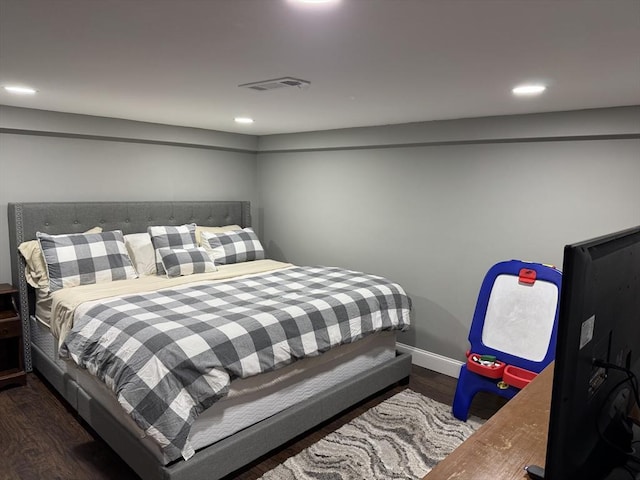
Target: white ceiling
[(370, 62)]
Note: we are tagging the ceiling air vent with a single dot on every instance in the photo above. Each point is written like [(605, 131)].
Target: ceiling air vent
[(276, 83)]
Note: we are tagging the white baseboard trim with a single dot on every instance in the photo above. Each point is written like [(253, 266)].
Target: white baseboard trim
[(432, 361)]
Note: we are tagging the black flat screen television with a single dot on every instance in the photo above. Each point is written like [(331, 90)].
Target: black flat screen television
[(597, 354)]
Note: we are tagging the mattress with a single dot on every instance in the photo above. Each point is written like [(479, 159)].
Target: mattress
[(250, 400)]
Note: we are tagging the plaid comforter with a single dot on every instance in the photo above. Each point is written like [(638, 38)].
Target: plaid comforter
[(170, 354)]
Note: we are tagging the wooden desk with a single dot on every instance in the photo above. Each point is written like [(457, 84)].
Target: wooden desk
[(514, 437)]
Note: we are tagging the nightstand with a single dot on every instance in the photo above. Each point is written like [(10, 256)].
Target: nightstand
[(11, 350)]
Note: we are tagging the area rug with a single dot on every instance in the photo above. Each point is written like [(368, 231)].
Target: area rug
[(404, 437)]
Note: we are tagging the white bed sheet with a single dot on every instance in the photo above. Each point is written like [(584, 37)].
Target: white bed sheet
[(43, 306)]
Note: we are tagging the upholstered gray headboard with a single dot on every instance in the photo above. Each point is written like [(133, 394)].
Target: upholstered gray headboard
[(25, 219)]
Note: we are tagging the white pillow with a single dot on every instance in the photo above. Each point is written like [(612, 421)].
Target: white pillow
[(141, 252)]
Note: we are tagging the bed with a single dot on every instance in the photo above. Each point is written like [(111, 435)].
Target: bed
[(259, 413)]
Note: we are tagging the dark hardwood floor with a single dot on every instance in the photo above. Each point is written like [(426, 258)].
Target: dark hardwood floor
[(41, 438)]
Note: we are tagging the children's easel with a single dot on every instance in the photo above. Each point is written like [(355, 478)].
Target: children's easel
[(513, 331)]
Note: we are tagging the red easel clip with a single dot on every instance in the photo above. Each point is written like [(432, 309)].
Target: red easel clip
[(527, 276)]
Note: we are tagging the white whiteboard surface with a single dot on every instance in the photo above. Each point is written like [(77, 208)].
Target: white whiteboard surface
[(519, 318)]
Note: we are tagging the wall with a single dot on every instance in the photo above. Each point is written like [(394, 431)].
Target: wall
[(49, 156), (434, 205), (431, 205)]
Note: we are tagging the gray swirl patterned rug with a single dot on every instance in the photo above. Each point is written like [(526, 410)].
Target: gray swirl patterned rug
[(404, 437)]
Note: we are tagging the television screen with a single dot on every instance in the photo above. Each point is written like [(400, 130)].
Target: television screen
[(595, 385)]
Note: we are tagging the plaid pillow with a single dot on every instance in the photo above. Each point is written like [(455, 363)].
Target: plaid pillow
[(183, 236), (233, 247), (85, 258), (185, 261)]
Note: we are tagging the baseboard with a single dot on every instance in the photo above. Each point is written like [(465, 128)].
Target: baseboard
[(432, 361)]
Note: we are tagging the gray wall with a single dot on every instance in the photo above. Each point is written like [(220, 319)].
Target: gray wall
[(431, 205), (47, 156), (434, 205)]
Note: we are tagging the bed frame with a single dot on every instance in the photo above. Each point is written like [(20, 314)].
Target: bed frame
[(224, 456)]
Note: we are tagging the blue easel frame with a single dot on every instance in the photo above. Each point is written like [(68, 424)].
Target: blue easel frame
[(470, 383)]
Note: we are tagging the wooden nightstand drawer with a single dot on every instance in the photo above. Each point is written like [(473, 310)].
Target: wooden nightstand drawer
[(10, 328)]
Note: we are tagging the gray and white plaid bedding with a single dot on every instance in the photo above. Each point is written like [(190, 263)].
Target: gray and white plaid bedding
[(170, 354), (85, 258), (167, 236), (235, 246)]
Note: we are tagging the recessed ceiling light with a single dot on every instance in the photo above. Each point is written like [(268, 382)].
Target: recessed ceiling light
[(314, 2), (245, 120), (19, 90), (529, 89)]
